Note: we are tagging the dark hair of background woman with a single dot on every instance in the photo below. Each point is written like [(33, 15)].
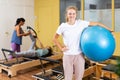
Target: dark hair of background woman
[(19, 20)]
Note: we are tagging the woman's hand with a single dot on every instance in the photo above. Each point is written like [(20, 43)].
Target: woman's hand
[(64, 49), (111, 31), (27, 33)]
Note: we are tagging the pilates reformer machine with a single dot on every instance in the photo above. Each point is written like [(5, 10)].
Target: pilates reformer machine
[(12, 66), (93, 69), (56, 73), (109, 68)]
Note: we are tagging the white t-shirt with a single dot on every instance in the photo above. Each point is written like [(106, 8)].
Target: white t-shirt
[(71, 36)]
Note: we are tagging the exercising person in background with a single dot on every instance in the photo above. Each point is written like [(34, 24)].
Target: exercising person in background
[(18, 32), (39, 52), (35, 51)]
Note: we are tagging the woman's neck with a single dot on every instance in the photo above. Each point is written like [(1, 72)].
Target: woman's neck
[(71, 22)]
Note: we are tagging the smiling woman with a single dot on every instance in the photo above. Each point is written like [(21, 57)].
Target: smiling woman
[(71, 13), (71, 31)]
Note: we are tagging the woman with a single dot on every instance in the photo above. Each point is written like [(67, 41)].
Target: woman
[(16, 40), (73, 60)]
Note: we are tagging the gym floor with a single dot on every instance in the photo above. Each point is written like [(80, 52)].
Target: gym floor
[(28, 73)]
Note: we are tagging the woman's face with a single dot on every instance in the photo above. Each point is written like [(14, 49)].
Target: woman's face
[(71, 15), (22, 23)]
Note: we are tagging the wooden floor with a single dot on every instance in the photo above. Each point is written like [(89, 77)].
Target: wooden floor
[(26, 74)]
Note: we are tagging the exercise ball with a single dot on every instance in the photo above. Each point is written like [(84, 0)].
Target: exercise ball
[(97, 43)]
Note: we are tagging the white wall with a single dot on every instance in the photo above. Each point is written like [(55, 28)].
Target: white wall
[(10, 10)]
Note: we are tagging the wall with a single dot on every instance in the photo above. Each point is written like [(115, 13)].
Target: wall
[(117, 20), (117, 38), (99, 15), (10, 10), (47, 19)]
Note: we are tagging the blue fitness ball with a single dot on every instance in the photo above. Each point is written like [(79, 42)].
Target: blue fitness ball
[(97, 43)]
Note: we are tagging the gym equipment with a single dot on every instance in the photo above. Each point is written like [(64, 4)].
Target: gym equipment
[(52, 74), (16, 64), (56, 73), (97, 43), (110, 69)]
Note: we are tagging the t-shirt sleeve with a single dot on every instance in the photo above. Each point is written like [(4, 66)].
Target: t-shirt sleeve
[(84, 23), (60, 29)]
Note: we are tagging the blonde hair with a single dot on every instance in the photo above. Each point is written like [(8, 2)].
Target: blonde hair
[(68, 8)]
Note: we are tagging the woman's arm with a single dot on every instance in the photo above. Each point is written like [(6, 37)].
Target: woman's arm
[(21, 34), (55, 40), (100, 24)]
